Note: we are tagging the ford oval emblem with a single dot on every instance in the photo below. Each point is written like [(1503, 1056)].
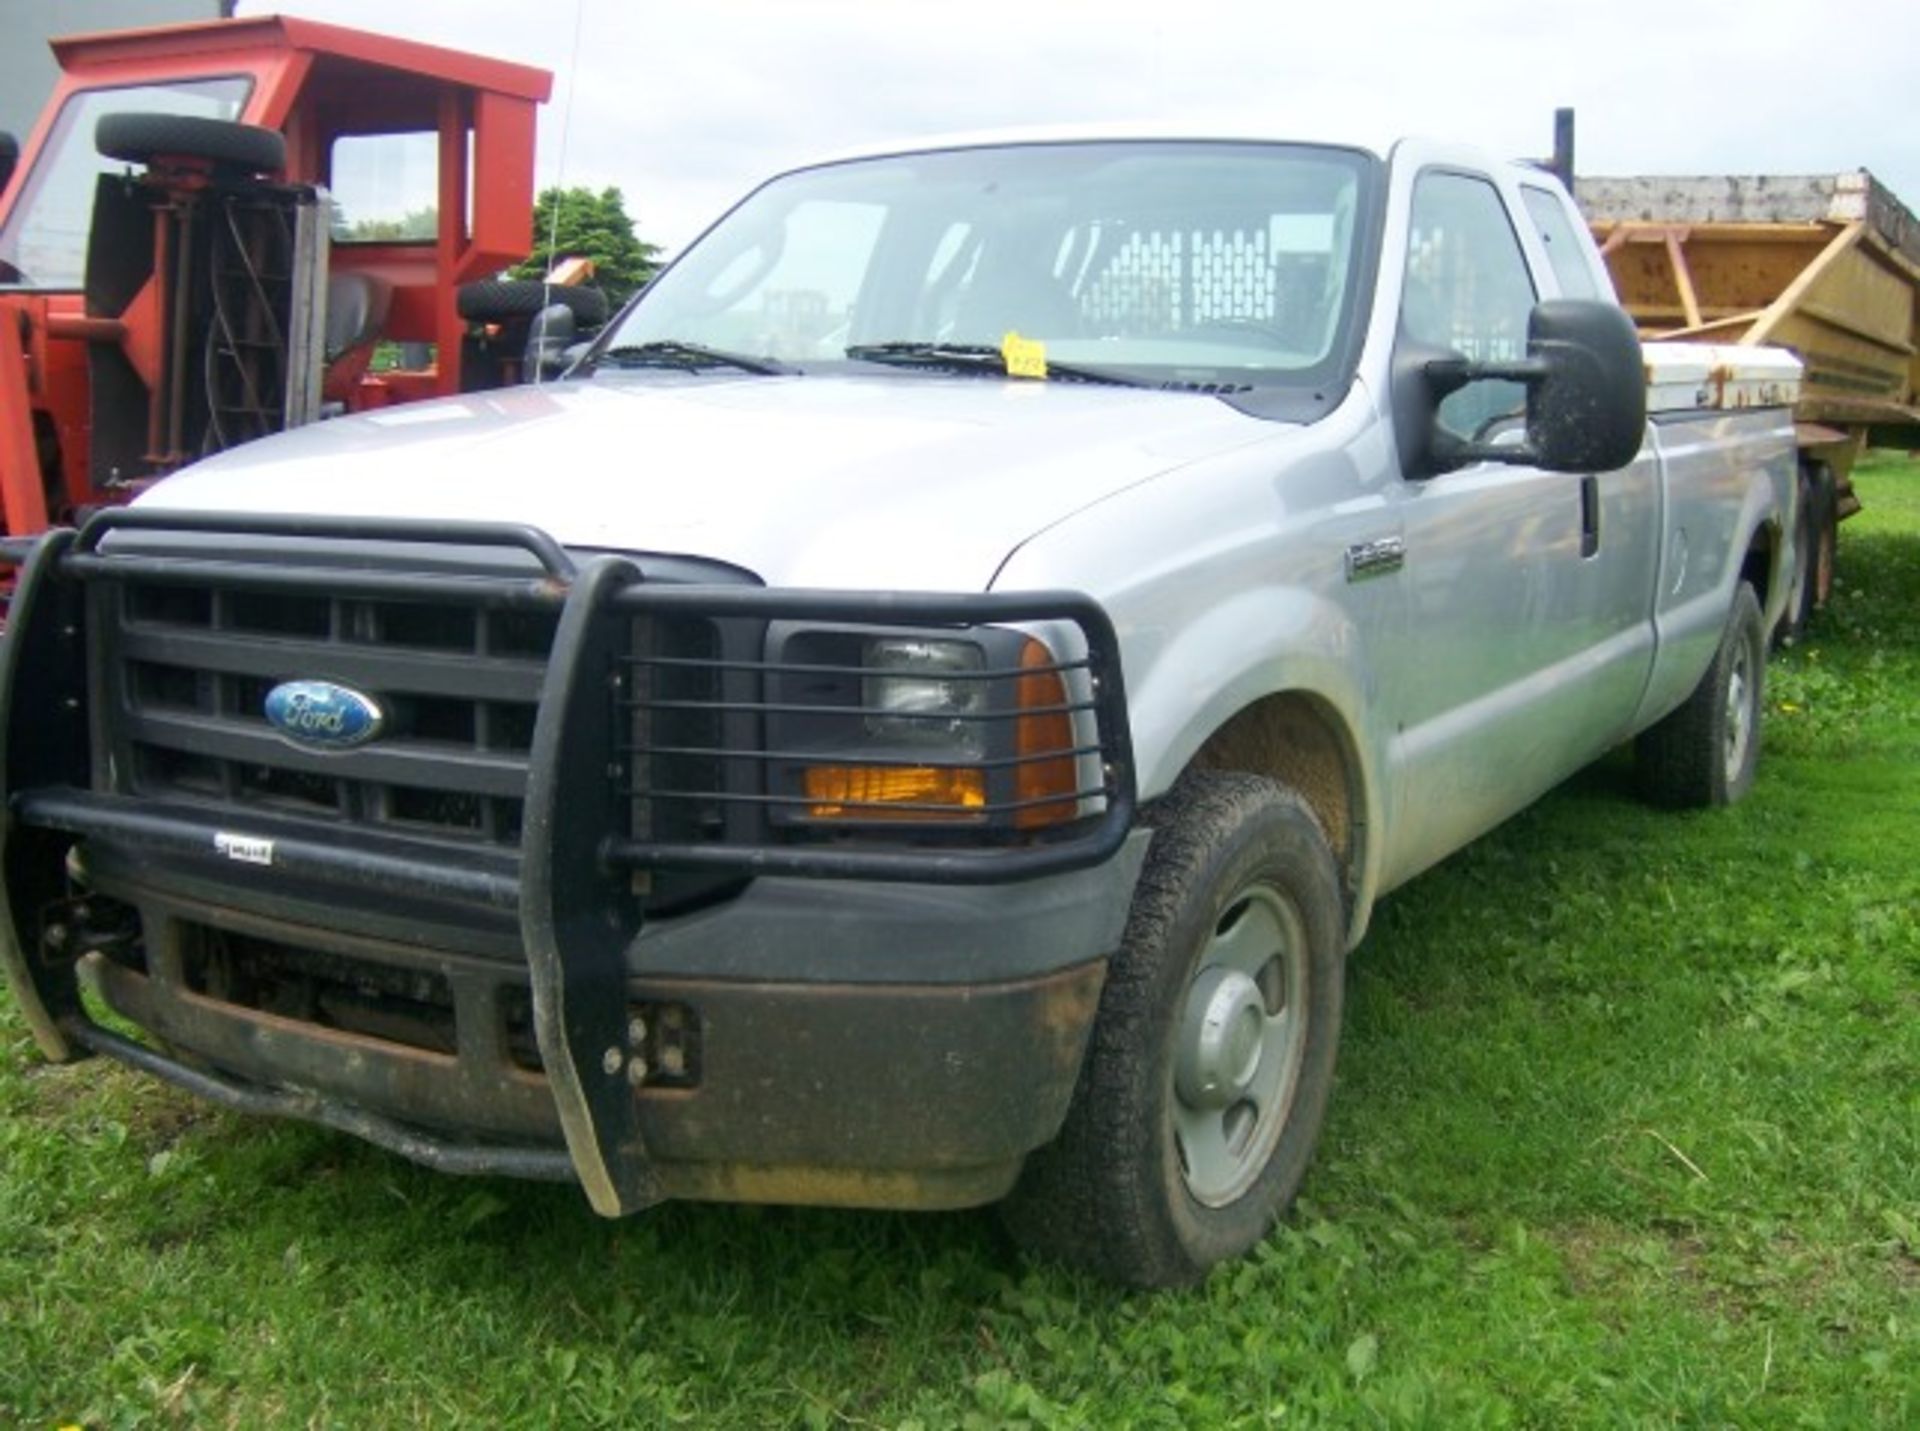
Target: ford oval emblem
[(323, 714)]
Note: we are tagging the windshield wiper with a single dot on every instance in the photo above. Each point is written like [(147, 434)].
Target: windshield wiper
[(677, 353), (975, 358)]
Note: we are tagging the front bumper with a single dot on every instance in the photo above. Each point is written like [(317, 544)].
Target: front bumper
[(891, 1027), (875, 1090)]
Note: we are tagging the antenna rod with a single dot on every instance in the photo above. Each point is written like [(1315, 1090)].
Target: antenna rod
[(1562, 164)]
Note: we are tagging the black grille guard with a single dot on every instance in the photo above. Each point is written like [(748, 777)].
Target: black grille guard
[(572, 885)]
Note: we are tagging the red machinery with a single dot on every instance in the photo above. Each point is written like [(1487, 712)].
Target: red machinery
[(276, 197)]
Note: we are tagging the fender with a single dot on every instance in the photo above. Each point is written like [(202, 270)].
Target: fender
[(1186, 683)]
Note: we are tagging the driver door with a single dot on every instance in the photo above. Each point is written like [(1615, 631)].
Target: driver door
[(1529, 592)]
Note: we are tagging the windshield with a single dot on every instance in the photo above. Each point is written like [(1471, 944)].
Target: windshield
[(1188, 264), (44, 241)]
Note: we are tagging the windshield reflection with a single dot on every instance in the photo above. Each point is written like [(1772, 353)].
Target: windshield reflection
[(1191, 262)]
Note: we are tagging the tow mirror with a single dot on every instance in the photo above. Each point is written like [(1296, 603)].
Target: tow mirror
[(1588, 411), (1586, 394)]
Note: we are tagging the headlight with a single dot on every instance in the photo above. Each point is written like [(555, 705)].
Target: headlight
[(926, 693), (935, 730)]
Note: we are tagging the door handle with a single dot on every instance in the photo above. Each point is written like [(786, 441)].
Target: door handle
[(1589, 515)]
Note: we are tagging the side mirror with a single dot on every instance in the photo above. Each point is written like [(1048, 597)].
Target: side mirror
[(1588, 410), (1586, 394)]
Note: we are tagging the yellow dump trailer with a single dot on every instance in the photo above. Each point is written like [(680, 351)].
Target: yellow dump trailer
[(1827, 265)]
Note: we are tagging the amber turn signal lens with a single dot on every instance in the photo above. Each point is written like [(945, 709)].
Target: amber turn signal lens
[(864, 792), (1043, 728)]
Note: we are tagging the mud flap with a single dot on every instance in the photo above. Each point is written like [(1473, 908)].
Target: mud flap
[(577, 913)]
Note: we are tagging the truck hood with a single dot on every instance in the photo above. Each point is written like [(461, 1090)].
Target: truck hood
[(909, 482)]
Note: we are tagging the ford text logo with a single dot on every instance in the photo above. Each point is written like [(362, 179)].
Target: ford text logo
[(322, 714)]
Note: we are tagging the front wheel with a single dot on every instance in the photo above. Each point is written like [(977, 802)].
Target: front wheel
[(1207, 1077), (1705, 753)]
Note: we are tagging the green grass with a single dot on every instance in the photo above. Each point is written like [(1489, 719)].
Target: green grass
[(1628, 1130)]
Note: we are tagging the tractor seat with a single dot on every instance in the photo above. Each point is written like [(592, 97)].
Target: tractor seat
[(356, 312)]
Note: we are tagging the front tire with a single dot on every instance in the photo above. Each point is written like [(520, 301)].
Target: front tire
[(1206, 1081), (1704, 754)]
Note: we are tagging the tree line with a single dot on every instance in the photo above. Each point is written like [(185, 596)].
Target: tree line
[(566, 223)]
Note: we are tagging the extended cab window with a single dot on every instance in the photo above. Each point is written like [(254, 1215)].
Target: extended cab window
[(1468, 290), (1564, 250)]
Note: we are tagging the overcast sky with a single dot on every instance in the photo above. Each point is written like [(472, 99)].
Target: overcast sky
[(685, 105)]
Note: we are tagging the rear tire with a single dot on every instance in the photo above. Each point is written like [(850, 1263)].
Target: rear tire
[(1823, 521), (1206, 1081), (1704, 754), (143, 138), (1799, 603)]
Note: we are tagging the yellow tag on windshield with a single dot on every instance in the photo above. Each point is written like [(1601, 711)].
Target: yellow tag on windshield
[(1026, 357)]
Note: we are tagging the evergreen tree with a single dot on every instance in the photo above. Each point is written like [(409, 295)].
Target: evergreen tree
[(596, 226)]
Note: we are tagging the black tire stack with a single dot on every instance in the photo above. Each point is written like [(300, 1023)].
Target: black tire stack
[(148, 138), (508, 300)]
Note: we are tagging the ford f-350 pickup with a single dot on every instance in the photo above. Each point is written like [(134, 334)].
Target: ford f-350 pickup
[(920, 714)]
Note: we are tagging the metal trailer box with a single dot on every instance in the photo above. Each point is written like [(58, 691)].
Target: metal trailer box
[(1827, 265)]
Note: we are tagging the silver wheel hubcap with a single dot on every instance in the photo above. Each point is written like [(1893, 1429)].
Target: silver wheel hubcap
[(1240, 1043), (1739, 716), (1221, 1045)]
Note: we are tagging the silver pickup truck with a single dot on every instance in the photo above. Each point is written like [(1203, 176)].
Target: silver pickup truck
[(918, 716)]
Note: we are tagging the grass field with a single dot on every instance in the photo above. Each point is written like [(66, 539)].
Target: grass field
[(1628, 1130)]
